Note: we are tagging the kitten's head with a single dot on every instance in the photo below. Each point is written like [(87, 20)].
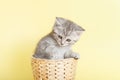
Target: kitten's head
[(66, 32)]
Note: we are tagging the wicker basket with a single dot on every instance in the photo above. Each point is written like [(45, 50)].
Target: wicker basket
[(63, 69)]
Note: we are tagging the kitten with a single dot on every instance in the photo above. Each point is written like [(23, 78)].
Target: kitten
[(57, 44)]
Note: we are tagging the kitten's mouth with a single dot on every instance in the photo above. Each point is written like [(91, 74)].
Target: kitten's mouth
[(61, 45)]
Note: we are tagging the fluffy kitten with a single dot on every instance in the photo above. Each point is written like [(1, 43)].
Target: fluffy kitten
[(57, 44)]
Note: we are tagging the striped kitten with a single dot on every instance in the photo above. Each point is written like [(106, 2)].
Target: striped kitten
[(57, 44)]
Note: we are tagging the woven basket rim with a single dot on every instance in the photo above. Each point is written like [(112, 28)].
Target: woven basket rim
[(52, 60)]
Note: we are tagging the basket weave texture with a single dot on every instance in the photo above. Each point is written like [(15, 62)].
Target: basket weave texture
[(63, 69)]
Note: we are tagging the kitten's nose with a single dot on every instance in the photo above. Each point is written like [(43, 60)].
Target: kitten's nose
[(62, 43)]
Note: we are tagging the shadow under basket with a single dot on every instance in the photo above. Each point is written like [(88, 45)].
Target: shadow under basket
[(62, 69)]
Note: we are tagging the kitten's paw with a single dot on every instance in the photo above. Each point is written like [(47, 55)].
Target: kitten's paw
[(76, 56)]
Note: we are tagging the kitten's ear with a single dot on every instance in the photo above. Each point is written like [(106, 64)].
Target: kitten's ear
[(60, 21), (79, 28), (79, 32)]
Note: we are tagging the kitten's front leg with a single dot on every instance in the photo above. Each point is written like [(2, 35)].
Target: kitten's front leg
[(71, 54), (75, 55), (51, 52)]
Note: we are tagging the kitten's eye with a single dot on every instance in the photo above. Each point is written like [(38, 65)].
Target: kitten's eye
[(68, 40), (60, 36)]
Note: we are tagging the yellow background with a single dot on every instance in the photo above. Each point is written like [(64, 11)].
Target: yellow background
[(24, 22)]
